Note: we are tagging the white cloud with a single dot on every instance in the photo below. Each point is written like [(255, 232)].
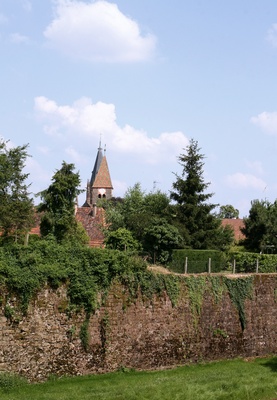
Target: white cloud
[(17, 38), (266, 121), (88, 120), (272, 35), (97, 32), (245, 181)]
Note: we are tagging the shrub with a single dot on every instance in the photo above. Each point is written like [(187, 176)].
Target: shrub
[(198, 260)]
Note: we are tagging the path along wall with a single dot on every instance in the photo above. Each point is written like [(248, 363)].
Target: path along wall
[(141, 334)]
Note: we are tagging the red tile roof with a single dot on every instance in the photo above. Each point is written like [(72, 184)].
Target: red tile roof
[(103, 178), (236, 225)]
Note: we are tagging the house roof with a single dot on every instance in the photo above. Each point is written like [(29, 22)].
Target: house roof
[(236, 224)]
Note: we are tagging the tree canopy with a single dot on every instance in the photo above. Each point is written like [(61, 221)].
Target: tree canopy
[(228, 211), (260, 227), (16, 207), (147, 218)]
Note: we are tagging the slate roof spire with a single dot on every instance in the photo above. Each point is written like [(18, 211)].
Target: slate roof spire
[(100, 184), (97, 163)]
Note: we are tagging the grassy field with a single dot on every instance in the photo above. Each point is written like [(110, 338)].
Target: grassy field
[(237, 379)]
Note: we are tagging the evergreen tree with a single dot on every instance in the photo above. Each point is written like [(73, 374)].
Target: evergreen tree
[(199, 226), (16, 208), (58, 204)]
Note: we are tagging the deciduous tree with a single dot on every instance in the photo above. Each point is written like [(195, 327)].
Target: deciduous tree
[(260, 227), (228, 211)]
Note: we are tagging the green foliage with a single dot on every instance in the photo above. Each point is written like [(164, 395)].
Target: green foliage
[(8, 312), (84, 334), (148, 217), (87, 271), (147, 284), (196, 286), (198, 260), (160, 238), (58, 205), (228, 211), (217, 287), (172, 287), (260, 227), (247, 262), (16, 208), (239, 290), (192, 208), (121, 239)]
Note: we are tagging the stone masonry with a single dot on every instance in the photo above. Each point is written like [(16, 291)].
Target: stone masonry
[(140, 335)]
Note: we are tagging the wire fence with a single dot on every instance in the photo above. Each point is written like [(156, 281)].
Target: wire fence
[(189, 266)]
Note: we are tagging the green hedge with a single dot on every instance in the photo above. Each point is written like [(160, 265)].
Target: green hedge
[(247, 262), (197, 261)]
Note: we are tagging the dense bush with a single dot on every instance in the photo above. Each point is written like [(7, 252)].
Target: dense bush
[(247, 262), (197, 261), (87, 271)]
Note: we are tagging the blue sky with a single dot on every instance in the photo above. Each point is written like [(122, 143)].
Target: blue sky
[(148, 75)]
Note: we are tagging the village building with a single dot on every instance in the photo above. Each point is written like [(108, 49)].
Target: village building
[(99, 186)]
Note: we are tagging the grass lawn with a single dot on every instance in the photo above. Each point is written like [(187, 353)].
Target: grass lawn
[(237, 379)]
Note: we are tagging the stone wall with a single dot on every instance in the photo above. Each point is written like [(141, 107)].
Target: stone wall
[(140, 335)]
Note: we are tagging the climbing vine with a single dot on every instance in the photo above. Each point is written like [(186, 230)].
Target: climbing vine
[(196, 286), (84, 334), (239, 290), (217, 287), (149, 284), (172, 286)]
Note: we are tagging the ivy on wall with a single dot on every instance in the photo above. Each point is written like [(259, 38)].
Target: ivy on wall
[(239, 290), (89, 272)]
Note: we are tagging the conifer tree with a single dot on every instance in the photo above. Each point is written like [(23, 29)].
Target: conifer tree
[(16, 207), (58, 204), (198, 225)]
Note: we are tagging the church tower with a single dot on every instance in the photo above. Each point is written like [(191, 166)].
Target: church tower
[(100, 185)]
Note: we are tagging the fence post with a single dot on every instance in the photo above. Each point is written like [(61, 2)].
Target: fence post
[(234, 266), (210, 266), (186, 265), (257, 266)]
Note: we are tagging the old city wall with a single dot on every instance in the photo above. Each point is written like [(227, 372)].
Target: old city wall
[(136, 334)]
